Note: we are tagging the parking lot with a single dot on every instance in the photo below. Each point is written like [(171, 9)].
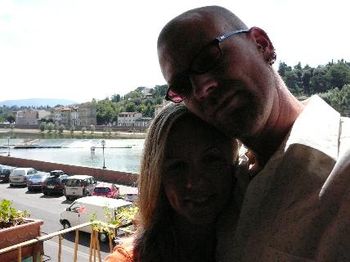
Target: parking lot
[(48, 209)]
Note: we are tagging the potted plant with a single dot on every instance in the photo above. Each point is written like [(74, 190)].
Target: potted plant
[(16, 227)]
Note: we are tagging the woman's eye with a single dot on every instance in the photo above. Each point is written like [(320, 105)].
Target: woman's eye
[(176, 167), (214, 160)]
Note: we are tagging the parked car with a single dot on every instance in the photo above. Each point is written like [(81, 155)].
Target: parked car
[(5, 172), (82, 209), (55, 183), (106, 189), (35, 182), (20, 175), (78, 186), (131, 197)]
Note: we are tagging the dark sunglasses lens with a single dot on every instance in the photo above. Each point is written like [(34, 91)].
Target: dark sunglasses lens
[(207, 59), (173, 97), (180, 89)]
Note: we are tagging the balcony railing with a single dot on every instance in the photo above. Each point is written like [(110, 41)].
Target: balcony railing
[(94, 252)]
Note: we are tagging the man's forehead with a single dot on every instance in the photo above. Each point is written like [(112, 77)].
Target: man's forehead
[(195, 28), (182, 42)]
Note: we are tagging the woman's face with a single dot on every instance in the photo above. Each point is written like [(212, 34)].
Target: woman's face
[(197, 173)]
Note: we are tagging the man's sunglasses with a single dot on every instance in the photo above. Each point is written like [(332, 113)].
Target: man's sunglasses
[(207, 58)]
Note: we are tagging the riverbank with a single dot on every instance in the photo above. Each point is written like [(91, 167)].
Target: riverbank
[(36, 133)]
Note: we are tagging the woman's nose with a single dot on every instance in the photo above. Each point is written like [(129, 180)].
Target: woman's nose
[(195, 179)]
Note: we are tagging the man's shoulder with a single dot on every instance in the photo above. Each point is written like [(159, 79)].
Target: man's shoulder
[(344, 136)]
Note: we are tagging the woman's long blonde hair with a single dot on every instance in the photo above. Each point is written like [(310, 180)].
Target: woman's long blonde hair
[(156, 238), (149, 183)]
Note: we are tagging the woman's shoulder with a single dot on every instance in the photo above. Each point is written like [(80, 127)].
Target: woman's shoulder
[(122, 252)]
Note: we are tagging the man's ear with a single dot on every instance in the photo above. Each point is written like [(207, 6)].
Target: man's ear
[(263, 44)]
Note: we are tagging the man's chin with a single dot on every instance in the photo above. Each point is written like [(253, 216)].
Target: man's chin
[(238, 124)]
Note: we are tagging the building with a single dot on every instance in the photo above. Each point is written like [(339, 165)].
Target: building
[(87, 115), (142, 122), (74, 116), (27, 118), (62, 116), (44, 114), (82, 115), (128, 118)]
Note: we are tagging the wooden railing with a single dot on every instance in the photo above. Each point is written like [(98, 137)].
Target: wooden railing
[(94, 253)]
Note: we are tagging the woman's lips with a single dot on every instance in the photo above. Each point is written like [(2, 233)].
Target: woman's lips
[(200, 201)]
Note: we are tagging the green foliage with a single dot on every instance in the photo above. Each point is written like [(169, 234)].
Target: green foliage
[(56, 127), (10, 216), (124, 216), (7, 114), (339, 99), (338, 74), (42, 126), (115, 98), (10, 118), (141, 100), (307, 80), (61, 128), (50, 127)]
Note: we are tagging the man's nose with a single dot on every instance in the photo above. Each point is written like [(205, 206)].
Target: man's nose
[(203, 86)]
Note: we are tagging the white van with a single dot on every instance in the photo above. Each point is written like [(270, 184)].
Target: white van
[(20, 175), (87, 208), (79, 186)]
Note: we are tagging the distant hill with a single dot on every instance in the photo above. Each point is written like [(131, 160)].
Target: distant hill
[(36, 102)]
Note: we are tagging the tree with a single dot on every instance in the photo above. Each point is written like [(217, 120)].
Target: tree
[(42, 126), (160, 91), (50, 127), (292, 81), (130, 107), (318, 81), (339, 99), (106, 111), (10, 118), (61, 128), (338, 74), (305, 79), (56, 127), (115, 98), (283, 68)]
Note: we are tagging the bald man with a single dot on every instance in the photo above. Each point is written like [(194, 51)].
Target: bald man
[(222, 71)]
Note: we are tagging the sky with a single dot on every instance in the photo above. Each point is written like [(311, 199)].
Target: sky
[(85, 49)]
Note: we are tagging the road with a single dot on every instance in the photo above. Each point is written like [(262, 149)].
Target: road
[(48, 208)]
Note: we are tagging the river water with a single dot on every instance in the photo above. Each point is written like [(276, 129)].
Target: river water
[(119, 154)]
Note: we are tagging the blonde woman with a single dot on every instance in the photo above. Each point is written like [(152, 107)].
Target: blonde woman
[(186, 180)]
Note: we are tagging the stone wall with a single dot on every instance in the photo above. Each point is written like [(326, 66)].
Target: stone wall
[(123, 178)]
